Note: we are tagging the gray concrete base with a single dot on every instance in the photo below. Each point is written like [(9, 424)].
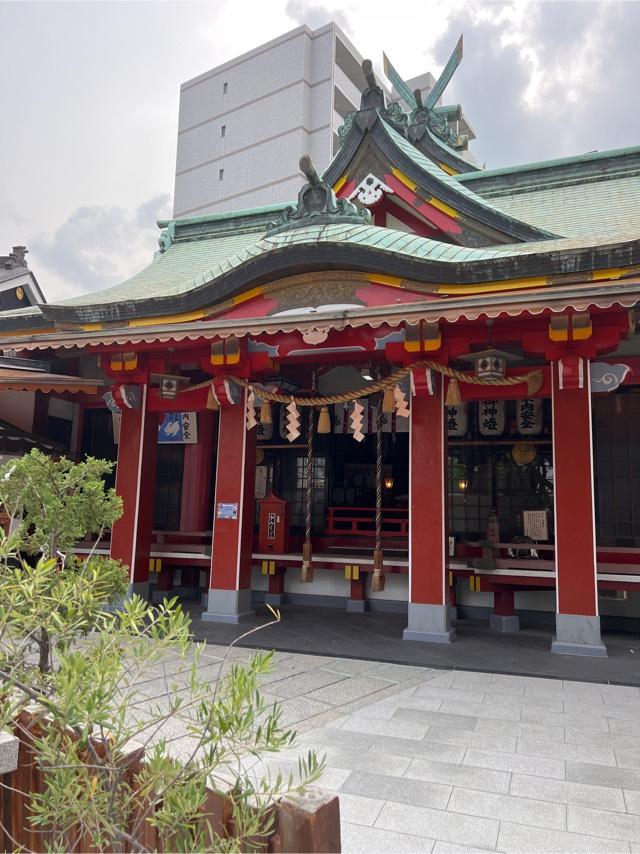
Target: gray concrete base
[(429, 623), (578, 635), (357, 606), (276, 600), (499, 623), (8, 752), (141, 588), (228, 606)]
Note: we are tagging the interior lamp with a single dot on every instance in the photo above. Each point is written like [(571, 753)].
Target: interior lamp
[(388, 482)]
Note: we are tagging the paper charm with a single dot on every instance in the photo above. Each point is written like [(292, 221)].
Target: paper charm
[(250, 412), (293, 422), (356, 421), (400, 399)]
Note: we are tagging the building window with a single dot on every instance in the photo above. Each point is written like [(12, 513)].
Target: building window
[(223, 131), (221, 175), (225, 88)]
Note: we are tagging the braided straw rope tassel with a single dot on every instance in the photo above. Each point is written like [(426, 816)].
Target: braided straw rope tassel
[(377, 582)]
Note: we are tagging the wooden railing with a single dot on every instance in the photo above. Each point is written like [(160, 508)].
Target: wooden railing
[(361, 522), (308, 822)]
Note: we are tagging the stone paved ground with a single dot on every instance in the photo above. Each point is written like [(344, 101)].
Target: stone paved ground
[(458, 761)]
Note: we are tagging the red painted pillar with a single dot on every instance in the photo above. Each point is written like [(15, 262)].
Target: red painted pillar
[(135, 484), (504, 618), (229, 598), (195, 507), (577, 620), (429, 615)]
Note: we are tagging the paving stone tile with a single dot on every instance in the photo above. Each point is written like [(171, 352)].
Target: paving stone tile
[(444, 678), (507, 808), (603, 775), (333, 778), (632, 800), (516, 763), (358, 810), (518, 728), (452, 774), (305, 683), (482, 739), (350, 666), (519, 701), (481, 710), (424, 749), (311, 661), (349, 689), (379, 711), (357, 839), (570, 752), (448, 826), (472, 677), (336, 738), (299, 709), (398, 672), (624, 727), (611, 825), (566, 792), (616, 741), (452, 848), (403, 790), (575, 687), (444, 693), (541, 684), (591, 705), (359, 760), (521, 839), (436, 718), (588, 722), (419, 703), (628, 758), (620, 711), (507, 684), (410, 729)]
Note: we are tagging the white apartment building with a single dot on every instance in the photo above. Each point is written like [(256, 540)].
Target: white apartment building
[(244, 125)]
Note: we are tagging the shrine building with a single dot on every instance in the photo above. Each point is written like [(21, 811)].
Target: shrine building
[(414, 388)]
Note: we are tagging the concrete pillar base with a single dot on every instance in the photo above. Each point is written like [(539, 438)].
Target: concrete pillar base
[(139, 588), (276, 600), (228, 606), (498, 623), (357, 606), (578, 635), (429, 623)]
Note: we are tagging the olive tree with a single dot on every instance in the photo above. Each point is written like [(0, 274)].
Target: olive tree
[(52, 505)]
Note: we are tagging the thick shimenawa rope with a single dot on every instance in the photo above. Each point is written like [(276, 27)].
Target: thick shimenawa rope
[(533, 380)]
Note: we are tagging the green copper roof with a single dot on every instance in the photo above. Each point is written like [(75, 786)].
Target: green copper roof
[(187, 265), (597, 208), (574, 160)]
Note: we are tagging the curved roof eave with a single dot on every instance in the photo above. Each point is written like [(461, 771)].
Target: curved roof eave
[(363, 248)]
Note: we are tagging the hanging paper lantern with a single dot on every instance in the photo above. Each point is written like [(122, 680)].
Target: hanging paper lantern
[(457, 420), (491, 417), (529, 416)]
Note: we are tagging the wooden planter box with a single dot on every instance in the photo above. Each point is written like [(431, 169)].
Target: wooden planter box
[(302, 823)]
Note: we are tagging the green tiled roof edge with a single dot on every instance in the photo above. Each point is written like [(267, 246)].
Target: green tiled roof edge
[(548, 164)]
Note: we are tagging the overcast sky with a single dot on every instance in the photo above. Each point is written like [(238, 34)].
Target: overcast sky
[(89, 101)]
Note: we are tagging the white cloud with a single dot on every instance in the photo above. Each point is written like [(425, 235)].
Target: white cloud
[(97, 246)]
